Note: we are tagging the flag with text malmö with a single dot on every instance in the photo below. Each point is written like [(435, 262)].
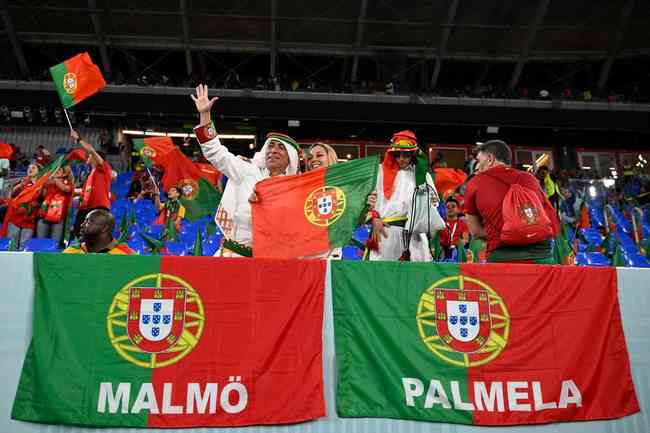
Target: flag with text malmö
[(173, 342), (311, 213), (476, 344), (76, 79)]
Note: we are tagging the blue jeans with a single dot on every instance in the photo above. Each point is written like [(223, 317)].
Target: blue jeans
[(46, 229), (19, 235)]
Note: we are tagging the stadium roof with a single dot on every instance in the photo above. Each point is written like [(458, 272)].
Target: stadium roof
[(516, 31)]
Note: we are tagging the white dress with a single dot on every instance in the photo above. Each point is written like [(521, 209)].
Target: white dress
[(399, 205)]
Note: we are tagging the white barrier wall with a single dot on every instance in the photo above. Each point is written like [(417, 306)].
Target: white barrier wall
[(17, 288)]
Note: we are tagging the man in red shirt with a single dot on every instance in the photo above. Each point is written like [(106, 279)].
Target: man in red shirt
[(484, 197), (455, 228), (95, 193)]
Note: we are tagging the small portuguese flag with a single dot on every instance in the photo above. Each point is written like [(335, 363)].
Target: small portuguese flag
[(76, 79), (146, 341), (311, 213), (479, 344)]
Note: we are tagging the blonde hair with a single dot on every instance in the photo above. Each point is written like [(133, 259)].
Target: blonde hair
[(332, 158)]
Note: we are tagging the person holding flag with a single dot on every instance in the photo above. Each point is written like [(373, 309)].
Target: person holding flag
[(57, 194), (21, 219), (95, 193), (171, 209), (279, 156), (403, 169)]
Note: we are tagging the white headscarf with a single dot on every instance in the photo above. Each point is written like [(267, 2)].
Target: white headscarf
[(259, 159)]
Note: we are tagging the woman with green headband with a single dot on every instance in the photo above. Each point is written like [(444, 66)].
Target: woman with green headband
[(279, 156)]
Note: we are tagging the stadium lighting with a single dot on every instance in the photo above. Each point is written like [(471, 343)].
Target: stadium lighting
[(184, 134), (592, 191), (251, 146), (586, 167)]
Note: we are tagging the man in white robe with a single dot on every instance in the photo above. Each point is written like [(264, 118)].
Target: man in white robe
[(278, 156)]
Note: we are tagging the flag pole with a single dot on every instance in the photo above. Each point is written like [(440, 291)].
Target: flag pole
[(155, 185), (68, 119)]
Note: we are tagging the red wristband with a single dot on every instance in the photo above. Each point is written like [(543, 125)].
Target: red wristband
[(205, 133)]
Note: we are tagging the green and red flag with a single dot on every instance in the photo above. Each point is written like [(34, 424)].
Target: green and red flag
[(154, 150), (198, 195), (476, 344), (172, 342), (76, 79), (26, 203), (312, 213), (562, 251)]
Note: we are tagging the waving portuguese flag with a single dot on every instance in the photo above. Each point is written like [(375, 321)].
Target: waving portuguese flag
[(198, 195), (311, 213), (77, 79), (463, 344), (173, 342)]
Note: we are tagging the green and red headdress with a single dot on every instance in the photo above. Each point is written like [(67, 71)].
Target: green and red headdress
[(403, 141)]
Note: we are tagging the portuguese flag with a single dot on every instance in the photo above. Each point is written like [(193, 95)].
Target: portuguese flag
[(198, 195), (173, 342), (76, 79), (465, 344), (154, 150), (311, 213)]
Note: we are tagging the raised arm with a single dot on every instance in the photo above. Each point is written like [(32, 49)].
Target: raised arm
[(95, 160), (219, 156)]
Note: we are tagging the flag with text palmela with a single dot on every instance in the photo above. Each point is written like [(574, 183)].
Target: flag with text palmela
[(198, 195), (173, 342), (311, 213), (77, 79), (479, 344)]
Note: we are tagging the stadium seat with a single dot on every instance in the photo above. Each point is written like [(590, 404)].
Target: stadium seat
[(212, 244), (121, 204), (154, 230), (361, 234), (581, 258), (176, 248), (352, 253), (4, 244), (637, 261), (597, 259), (41, 245), (137, 245)]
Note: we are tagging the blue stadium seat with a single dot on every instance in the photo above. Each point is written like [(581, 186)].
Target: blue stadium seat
[(597, 259), (361, 234), (121, 204), (42, 245), (637, 261), (124, 178), (4, 243), (176, 248), (581, 258), (352, 253), (212, 244), (154, 230), (137, 245)]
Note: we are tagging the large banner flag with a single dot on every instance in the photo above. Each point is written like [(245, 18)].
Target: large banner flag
[(76, 79), (476, 344), (173, 342), (311, 213), (198, 195)]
